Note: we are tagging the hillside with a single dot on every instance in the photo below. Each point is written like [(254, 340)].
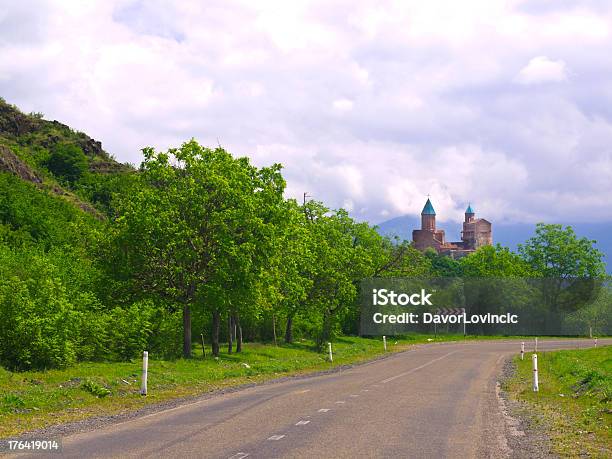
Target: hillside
[(506, 234), (57, 160)]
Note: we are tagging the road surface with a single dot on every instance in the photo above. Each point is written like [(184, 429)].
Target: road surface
[(435, 401)]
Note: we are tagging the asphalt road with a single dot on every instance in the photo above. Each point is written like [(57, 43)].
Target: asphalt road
[(433, 401)]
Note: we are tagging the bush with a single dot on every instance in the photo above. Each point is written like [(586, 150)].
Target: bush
[(129, 330), (67, 162), (48, 321), (36, 329)]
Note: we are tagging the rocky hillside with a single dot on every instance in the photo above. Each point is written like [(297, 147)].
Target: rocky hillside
[(57, 159)]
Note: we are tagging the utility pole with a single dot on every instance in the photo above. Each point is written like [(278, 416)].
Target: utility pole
[(306, 195)]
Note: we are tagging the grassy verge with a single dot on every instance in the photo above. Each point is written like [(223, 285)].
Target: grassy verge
[(32, 400), (574, 404)]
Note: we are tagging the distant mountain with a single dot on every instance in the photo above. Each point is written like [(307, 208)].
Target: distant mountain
[(507, 234)]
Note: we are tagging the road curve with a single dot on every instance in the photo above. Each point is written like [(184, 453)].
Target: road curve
[(435, 401)]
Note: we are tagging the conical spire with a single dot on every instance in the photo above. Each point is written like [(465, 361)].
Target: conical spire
[(428, 209), (469, 209)]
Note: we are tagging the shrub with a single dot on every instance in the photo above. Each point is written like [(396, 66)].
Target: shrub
[(37, 325), (67, 162), (129, 330)]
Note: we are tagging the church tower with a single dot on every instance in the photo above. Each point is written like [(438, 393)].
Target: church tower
[(469, 214), (428, 217), (476, 233)]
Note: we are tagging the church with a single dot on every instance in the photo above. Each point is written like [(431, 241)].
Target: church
[(476, 233)]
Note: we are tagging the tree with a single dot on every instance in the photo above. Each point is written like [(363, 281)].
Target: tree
[(495, 280), (289, 275), (68, 162), (570, 265), (341, 260), (196, 228), (557, 252), (495, 261), (443, 265)]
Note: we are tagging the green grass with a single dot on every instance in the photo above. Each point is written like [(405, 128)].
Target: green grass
[(574, 403), (35, 399)]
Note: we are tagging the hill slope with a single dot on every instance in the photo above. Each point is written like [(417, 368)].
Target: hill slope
[(58, 160)]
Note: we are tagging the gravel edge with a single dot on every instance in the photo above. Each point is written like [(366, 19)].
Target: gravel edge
[(525, 429)]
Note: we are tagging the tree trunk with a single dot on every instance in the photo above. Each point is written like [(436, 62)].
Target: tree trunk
[(289, 330), (327, 328), (274, 328), (230, 333), (238, 333), (216, 324), (186, 331)]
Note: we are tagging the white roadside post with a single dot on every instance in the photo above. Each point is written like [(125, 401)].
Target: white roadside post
[(145, 372), (595, 341), (536, 344), (536, 386), (331, 358), (523, 350), (385, 342)]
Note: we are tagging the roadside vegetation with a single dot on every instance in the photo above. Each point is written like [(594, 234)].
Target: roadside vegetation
[(574, 403)]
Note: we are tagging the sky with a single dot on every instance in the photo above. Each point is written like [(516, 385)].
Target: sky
[(370, 106)]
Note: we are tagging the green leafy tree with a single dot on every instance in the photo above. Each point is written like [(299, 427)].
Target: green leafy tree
[(195, 228), (291, 270), (555, 251), (443, 265), (495, 280), (570, 265), (382, 257), (495, 261), (340, 262)]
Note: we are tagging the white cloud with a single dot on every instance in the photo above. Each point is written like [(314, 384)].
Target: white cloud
[(541, 69), (343, 105), (367, 107)]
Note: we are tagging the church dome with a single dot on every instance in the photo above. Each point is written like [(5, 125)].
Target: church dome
[(428, 209)]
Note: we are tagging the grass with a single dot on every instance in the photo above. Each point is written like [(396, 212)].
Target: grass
[(35, 399), (574, 403)]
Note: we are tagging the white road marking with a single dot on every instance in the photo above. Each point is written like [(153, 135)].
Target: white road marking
[(302, 391), (239, 456), (418, 368), (340, 401), (323, 410), (364, 390), (276, 437), (353, 395), (301, 423)]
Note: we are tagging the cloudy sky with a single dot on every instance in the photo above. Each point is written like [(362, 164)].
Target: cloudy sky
[(368, 105)]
